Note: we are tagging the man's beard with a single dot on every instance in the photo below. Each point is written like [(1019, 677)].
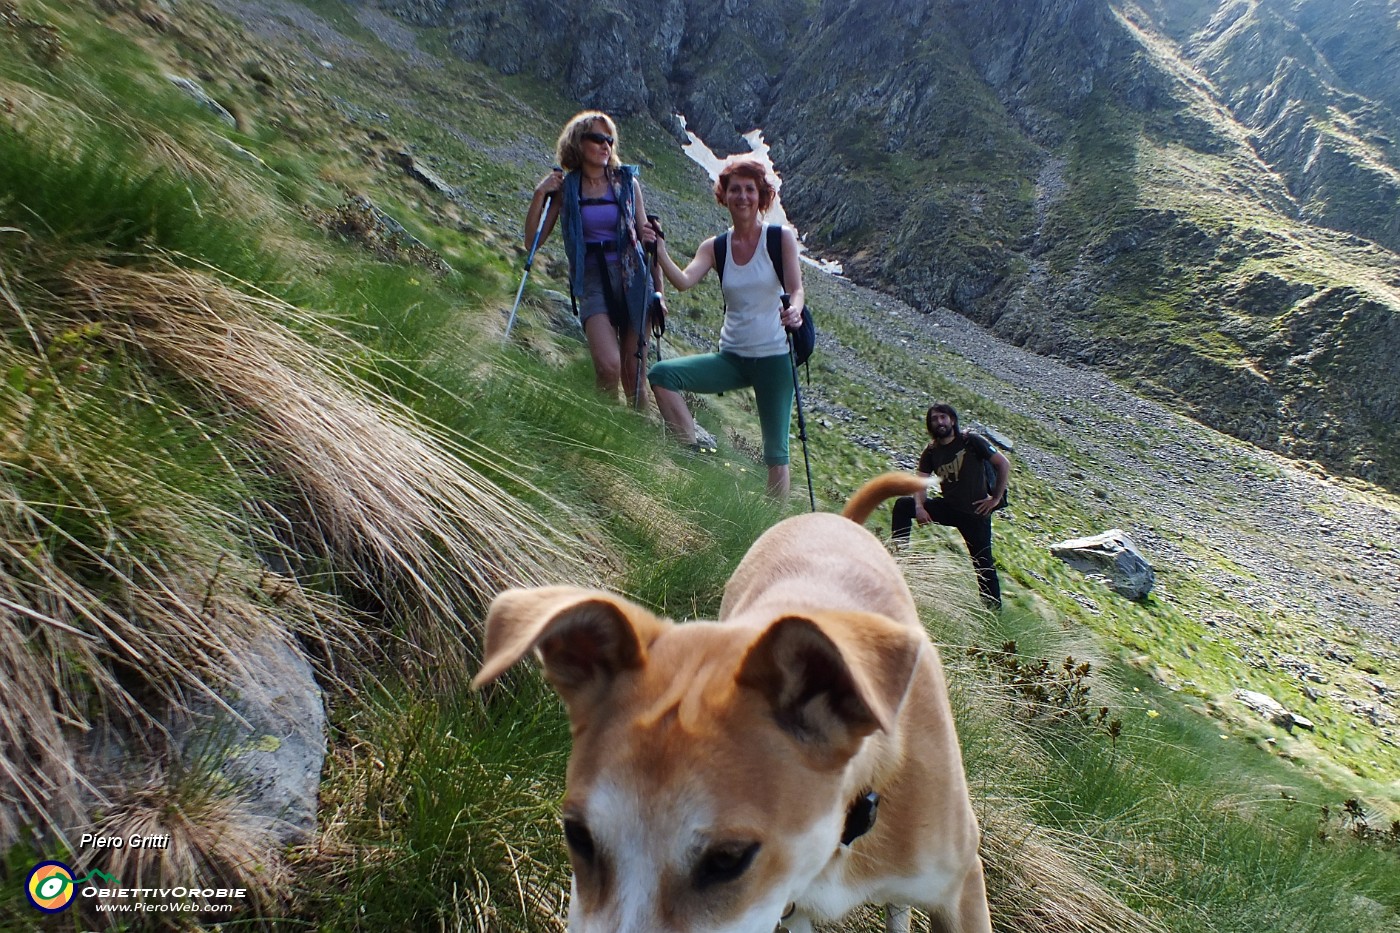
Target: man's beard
[(943, 430)]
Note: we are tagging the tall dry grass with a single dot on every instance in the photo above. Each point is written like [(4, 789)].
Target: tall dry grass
[(126, 596), (1036, 879), (397, 501)]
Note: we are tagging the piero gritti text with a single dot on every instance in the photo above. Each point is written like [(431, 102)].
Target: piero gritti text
[(134, 841)]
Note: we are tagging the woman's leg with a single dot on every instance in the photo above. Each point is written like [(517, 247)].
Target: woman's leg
[(779, 481), (675, 413), (705, 373), (607, 355), (772, 386)]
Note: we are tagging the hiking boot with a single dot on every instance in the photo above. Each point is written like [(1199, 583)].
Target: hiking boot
[(704, 441)]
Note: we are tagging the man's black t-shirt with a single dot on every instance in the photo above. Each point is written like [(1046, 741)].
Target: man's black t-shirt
[(958, 467)]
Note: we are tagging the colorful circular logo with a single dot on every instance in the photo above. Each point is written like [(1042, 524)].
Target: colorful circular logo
[(50, 887)]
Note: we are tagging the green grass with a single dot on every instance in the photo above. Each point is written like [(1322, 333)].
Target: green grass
[(445, 810), (439, 807)]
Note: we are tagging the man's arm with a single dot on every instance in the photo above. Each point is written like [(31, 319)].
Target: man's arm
[(1002, 465)]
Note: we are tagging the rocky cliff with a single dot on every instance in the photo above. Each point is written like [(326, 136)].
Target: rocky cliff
[(1200, 196), (710, 61)]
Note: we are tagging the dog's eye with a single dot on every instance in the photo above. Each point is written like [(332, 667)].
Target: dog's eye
[(579, 838), (724, 863)]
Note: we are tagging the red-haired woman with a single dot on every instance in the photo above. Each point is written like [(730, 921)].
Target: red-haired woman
[(604, 228), (753, 343)]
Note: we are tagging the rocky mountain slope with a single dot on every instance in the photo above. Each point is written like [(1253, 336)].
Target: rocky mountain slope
[(1199, 196)]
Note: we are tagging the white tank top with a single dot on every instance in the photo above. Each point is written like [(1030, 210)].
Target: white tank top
[(752, 325)]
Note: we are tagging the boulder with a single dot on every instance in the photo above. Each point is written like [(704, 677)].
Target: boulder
[(275, 744), (993, 435), (1110, 555), (422, 173), (203, 99), (1273, 710), (259, 737)]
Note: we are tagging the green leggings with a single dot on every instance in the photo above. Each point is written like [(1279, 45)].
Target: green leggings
[(710, 373)]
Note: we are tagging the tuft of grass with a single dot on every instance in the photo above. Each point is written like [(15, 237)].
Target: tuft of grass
[(126, 572), (210, 836), (189, 462), (441, 813)]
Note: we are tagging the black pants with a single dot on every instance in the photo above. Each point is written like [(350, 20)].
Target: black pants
[(976, 531)]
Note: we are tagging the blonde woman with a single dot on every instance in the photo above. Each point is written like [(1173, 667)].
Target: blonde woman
[(604, 229)]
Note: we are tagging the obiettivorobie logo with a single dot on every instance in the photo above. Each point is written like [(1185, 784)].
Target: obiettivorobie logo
[(51, 885)]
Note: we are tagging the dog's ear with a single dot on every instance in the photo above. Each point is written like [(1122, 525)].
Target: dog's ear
[(585, 637), (831, 678)]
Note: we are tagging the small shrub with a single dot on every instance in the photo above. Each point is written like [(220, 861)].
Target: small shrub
[(357, 220), (1352, 820), (1044, 691)]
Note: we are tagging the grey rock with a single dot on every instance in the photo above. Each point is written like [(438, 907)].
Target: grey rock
[(562, 319), (995, 436), (421, 172), (1274, 711), (259, 737), (242, 153), (1111, 555), (274, 745), (203, 99)]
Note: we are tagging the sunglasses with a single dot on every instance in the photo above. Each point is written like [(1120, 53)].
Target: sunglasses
[(602, 138)]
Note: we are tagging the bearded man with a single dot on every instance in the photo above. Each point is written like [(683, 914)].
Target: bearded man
[(964, 500)]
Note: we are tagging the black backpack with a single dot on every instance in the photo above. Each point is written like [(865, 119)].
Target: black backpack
[(989, 473), (804, 339)]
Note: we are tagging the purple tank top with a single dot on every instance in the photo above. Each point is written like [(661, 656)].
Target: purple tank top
[(600, 222)]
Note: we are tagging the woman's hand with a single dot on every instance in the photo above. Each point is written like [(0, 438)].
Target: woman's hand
[(538, 223), (792, 278), (552, 183), (792, 315)]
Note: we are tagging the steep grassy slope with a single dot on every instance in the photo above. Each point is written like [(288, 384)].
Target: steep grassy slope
[(933, 147), (1130, 794)]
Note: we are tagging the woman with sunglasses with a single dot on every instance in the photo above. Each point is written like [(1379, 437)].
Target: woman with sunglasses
[(753, 342), (610, 282)]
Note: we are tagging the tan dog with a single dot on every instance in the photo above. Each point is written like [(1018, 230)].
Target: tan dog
[(717, 766)]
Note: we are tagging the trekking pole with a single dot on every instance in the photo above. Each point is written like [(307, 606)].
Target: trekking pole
[(801, 422), (638, 400), (529, 261), (649, 318)]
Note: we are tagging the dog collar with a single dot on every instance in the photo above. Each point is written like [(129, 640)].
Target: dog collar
[(860, 817)]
